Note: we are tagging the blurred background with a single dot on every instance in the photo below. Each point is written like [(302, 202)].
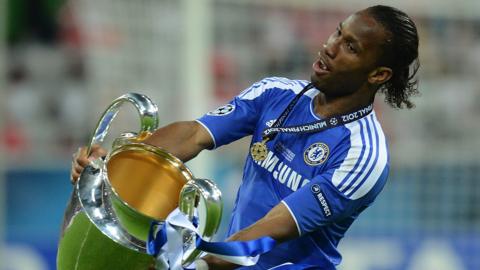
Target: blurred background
[(62, 62)]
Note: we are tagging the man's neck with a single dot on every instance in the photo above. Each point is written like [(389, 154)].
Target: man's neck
[(326, 106)]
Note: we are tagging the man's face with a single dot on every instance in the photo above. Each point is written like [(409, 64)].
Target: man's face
[(349, 55)]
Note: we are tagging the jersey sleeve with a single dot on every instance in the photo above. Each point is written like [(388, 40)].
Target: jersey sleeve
[(318, 203), (238, 118), (321, 202), (357, 172)]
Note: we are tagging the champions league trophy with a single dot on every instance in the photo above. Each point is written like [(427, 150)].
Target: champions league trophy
[(117, 198)]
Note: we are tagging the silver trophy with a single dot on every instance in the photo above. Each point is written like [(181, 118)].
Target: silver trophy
[(117, 197)]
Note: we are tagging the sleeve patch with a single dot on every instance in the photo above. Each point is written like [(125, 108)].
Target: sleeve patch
[(317, 192), (222, 110)]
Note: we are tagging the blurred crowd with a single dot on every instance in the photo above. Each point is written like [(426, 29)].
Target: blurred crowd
[(45, 83), (66, 58)]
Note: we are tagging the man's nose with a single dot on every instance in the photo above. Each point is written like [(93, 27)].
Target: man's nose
[(330, 49)]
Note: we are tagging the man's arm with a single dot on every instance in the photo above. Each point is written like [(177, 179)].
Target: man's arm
[(278, 224), (183, 139)]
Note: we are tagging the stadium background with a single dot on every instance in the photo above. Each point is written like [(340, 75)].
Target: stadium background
[(63, 61)]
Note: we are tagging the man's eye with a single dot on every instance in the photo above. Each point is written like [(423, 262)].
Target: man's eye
[(338, 32), (351, 48)]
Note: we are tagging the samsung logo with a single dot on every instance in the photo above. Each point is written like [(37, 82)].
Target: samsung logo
[(282, 172), (317, 191)]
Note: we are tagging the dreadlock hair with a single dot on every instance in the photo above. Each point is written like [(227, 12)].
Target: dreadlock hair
[(400, 53)]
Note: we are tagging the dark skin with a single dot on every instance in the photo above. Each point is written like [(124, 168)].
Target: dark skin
[(351, 54), (348, 78)]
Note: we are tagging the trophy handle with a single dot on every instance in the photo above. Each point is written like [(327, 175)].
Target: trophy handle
[(91, 190), (204, 196), (200, 198), (147, 111)]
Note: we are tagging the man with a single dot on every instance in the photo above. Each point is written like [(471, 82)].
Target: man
[(330, 159)]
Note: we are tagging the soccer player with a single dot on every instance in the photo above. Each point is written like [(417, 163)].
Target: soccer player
[(318, 156)]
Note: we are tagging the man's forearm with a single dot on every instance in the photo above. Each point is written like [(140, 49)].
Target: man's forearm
[(278, 224), (183, 139)]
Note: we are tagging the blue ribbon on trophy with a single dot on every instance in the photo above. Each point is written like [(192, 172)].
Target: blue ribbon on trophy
[(165, 242)]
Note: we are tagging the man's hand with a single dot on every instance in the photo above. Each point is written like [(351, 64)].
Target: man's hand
[(278, 224), (81, 160)]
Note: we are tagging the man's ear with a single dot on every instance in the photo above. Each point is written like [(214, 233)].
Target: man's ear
[(380, 75)]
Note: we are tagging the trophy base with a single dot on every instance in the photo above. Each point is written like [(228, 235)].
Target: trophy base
[(84, 247)]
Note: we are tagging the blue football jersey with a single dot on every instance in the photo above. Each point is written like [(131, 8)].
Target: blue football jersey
[(325, 179)]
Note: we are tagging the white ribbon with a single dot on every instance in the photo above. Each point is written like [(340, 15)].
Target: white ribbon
[(171, 253)]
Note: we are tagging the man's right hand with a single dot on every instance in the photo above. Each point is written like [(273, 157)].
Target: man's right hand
[(81, 160)]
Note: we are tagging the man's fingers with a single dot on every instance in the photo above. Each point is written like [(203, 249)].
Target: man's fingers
[(82, 161), (79, 161), (77, 168), (82, 151), (74, 176), (75, 172), (97, 151)]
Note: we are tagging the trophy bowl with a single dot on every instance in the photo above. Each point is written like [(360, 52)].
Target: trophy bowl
[(144, 183)]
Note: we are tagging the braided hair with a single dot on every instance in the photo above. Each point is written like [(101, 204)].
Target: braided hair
[(400, 53)]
